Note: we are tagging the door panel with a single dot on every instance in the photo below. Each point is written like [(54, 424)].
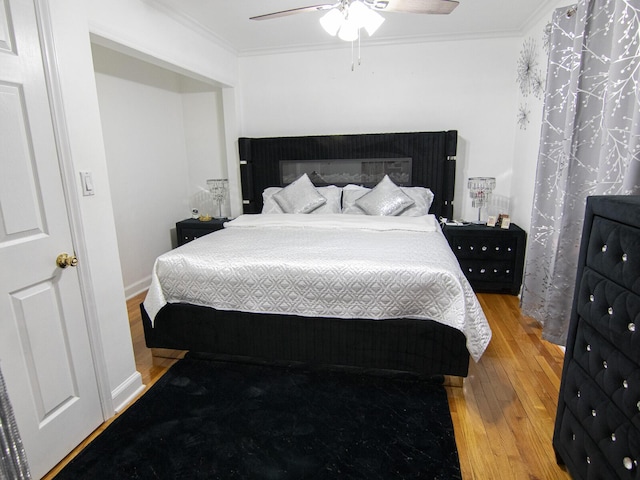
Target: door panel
[(45, 353)]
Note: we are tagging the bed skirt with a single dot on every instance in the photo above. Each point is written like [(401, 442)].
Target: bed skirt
[(425, 347)]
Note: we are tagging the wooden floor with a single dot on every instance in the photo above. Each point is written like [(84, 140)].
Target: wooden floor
[(503, 412)]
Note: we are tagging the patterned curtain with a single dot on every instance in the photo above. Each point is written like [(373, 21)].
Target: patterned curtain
[(590, 145), (13, 460)]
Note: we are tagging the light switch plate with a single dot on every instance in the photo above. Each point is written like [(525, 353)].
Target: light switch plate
[(86, 178)]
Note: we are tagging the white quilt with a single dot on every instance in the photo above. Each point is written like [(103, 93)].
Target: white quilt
[(344, 266)]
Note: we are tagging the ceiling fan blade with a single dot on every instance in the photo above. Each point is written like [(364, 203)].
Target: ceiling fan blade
[(414, 6), (293, 11)]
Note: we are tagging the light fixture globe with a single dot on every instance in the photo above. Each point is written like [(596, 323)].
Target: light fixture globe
[(347, 18), (331, 21), (348, 31)]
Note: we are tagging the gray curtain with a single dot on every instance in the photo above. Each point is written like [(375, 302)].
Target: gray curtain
[(589, 145), (13, 460)]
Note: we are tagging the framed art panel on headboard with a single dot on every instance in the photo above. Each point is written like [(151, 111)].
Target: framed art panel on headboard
[(425, 159)]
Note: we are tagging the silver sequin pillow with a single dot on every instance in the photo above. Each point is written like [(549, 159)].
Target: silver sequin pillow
[(332, 193), (386, 198), (299, 197)]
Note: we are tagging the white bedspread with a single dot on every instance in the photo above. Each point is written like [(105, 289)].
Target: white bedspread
[(344, 266)]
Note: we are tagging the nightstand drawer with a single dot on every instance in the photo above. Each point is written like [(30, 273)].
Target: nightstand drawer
[(484, 247), (188, 234), (493, 271), (190, 229), (491, 258)]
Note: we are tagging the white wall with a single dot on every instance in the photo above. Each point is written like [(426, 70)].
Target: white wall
[(463, 85), (114, 351), (135, 25), (527, 141), (163, 138)]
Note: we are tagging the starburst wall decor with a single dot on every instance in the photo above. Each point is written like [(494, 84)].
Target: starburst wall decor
[(527, 62), (523, 117)]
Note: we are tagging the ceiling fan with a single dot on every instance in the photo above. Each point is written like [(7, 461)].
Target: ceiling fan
[(347, 17), (403, 6)]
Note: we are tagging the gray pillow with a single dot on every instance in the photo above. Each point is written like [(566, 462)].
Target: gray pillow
[(386, 198), (299, 197)]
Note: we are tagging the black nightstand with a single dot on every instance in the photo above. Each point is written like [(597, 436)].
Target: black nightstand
[(192, 228), (491, 258)]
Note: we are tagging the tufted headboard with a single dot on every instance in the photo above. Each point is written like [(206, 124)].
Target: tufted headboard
[(431, 156)]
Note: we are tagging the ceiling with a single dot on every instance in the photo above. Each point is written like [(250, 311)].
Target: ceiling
[(227, 21)]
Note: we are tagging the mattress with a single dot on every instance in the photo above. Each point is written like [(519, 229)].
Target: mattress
[(338, 266)]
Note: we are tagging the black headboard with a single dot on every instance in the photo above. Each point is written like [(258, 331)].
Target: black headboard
[(432, 154)]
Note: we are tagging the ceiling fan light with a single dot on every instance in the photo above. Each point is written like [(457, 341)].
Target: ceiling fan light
[(348, 31), (373, 22), (331, 21), (358, 13)]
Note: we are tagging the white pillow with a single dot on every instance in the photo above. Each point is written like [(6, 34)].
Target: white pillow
[(422, 199), (386, 198), (332, 193), (351, 193)]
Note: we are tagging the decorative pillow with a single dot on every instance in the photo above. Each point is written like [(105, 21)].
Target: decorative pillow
[(386, 198), (422, 199), (351, 193), (299, 197), (332, 193)]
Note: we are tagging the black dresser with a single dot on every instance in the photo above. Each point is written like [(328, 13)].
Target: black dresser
[(597, 429), (492, 258), (192, 228)]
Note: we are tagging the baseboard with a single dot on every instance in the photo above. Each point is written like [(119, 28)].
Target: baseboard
[(127, 391), (140, 286)]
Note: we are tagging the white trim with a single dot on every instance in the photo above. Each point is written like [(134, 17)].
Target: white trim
[(69, 185), (127, 392), (137, 287)]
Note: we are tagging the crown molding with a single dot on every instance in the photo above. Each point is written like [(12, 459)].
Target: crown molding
[(192, 24)]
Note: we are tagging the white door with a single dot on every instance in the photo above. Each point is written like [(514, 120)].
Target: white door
[(45, 353)]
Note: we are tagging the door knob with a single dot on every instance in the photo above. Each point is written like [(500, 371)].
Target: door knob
[(65, 260)]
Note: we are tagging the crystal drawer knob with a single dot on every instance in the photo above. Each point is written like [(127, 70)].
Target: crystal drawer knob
[(628, 463)]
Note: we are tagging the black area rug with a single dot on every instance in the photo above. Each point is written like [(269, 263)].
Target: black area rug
[(207, 420)]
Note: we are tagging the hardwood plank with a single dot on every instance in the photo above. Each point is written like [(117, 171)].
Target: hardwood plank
[(503, 412)]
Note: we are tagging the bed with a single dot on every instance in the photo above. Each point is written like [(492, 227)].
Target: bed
[(328, 286)]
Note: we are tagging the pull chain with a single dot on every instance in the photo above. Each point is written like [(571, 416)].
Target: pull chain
[(352, 53)]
